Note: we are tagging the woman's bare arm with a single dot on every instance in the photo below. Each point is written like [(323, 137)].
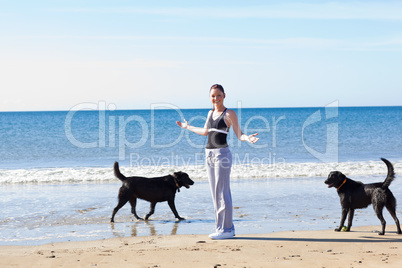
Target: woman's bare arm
[(232, 120), (198, 130)]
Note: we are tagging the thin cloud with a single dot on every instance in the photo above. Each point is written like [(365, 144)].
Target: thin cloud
[(394, 44), (320, 11)]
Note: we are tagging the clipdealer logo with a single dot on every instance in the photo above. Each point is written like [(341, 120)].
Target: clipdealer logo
[(331, 113), (112, 129)]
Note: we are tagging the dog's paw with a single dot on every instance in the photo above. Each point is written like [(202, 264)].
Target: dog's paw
[(180, 219), (381, 233), (337, 229), (345, 229)]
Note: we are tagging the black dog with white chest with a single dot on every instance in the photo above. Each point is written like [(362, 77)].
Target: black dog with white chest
[(154, 190), (354, 195)]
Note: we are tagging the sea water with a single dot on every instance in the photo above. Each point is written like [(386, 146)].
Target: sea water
[(57, 183)]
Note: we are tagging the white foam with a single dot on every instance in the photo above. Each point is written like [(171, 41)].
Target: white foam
[(196, 172)]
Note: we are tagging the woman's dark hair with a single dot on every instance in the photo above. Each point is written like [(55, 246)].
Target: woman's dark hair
[(217, 86)]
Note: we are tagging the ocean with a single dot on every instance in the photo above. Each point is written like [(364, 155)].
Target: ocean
[(57, 183)]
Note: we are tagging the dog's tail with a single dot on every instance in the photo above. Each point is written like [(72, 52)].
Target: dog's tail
[(390, 175), (117, 172)]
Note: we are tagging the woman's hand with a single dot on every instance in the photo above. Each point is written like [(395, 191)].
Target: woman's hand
[(252, 138), (183, 125)]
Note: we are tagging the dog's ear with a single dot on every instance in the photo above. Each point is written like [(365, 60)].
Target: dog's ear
[(336, 175), (341, 176), (177, 174)]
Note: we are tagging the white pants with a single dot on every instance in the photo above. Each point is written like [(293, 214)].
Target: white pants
[(219, 163)]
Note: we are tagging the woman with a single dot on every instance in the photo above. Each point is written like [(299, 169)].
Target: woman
[(219, 158)]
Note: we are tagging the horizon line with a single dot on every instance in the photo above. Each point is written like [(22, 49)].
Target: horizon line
[(200, 108)]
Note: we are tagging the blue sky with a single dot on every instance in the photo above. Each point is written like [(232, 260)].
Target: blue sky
[(57, 54)]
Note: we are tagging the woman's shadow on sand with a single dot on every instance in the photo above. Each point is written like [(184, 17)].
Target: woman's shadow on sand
[(362, 239)]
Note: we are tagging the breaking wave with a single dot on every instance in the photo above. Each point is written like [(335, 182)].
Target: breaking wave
[(196, 172)]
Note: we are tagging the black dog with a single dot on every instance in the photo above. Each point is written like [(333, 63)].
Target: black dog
[(354, 194), (154, 190)]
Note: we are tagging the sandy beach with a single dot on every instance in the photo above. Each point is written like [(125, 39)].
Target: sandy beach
[(362, 247)]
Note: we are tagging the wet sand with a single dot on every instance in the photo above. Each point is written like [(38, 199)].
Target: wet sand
[(362, 247), (81, 212)]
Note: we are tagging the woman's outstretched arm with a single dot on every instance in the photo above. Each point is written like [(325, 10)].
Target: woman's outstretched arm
[(197, 130), (234, 122)]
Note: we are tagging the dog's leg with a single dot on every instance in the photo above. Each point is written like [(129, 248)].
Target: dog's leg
[(133, 203), (152, 211), (392, 211), (173, 208), (378, 210), (343, 218), (350, 219), (122, 201)]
